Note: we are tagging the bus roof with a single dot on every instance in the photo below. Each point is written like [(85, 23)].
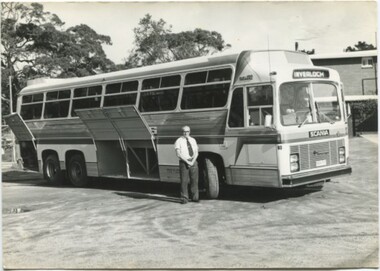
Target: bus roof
[(171, 67)]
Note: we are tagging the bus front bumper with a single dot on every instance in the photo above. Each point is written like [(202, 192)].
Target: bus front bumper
[(304, 178)]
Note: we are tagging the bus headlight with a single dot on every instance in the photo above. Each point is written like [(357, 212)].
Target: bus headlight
[(342, 155), (294, 162)]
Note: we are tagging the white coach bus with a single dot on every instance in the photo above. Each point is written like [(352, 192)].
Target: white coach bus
[(261, 118)]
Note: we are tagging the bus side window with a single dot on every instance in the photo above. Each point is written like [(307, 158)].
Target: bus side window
[(236, 117), (260, 104), (31, 107), (162, 100)]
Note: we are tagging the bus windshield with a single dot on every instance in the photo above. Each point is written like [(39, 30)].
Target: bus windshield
[(309, 102)]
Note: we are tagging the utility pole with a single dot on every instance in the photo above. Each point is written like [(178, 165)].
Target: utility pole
[(375, 64), (10, 95), (11, 111)]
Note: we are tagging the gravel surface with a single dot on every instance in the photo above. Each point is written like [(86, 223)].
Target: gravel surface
[(124, 224)]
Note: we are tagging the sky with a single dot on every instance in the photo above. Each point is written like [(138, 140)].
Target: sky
[(327, 27)]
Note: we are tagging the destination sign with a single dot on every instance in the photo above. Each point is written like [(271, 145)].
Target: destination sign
[(319, 133), (311, 74)]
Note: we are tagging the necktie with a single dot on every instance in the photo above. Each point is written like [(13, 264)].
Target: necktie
[(191, 152)]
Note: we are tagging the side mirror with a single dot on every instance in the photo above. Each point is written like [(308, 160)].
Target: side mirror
[(348, 107), (268, 121)]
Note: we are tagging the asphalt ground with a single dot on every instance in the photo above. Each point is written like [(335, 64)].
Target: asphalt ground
[(129, 224)]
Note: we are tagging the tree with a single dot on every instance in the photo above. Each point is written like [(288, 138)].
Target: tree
[(360, 46), (155, 43), (311, 52), (35, 44)]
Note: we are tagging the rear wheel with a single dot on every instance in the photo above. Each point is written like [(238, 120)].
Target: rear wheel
[(52, 170), (211, 178), (77, 172)]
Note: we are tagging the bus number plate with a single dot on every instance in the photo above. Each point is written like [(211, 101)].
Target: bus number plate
[(321, 163)]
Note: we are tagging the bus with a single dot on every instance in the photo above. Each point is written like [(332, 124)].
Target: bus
[(261, 118)]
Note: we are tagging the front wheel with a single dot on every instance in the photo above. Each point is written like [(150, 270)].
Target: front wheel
[(77, 171), (211, 178)]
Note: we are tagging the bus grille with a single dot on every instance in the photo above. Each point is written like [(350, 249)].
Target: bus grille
[(317, 155)]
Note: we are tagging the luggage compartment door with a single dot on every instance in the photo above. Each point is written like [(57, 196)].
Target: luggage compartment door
[(26, 140), (136, 147)]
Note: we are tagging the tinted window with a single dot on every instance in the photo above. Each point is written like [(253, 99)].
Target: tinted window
[(38, 97), (113, 88), (130, 86), (120, 99), (31, 111), (158, 100), (170, 81), (27, 99), (85, 103), (260, 95), (95, 90), (64, 94), (219, 75), (195, 78), (80, 92), (236, 118), (56, 109), (33, 98), (151, 83), (52, 95), (88, 91), (205, 96)]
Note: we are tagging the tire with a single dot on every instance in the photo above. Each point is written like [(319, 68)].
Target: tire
[(52, 170), (77, 171), (211, 178)]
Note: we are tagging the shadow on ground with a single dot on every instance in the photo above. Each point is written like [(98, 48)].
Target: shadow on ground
[(168, 192)]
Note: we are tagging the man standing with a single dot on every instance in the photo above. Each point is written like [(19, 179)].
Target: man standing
[(187, 151)]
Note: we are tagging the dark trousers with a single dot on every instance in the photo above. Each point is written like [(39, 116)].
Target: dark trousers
[(187, 173)]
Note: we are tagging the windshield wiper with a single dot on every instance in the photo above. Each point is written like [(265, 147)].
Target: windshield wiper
[(307, 115), (320, 113)]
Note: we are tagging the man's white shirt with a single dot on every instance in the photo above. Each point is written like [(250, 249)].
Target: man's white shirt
[(181, 145)]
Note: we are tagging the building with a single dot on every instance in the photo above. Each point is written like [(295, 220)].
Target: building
[(357, 70)]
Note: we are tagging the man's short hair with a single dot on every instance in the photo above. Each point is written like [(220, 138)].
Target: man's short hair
[(185, 127)]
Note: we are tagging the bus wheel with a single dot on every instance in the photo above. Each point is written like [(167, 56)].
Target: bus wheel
[(77, 172), (52, 170), (211, 178)]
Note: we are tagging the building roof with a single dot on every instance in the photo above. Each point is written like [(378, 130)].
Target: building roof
[(366, 53)]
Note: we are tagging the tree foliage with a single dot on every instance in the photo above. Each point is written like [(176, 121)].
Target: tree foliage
[(309, 52), (156, 43), (35, 44), (360, 46)]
